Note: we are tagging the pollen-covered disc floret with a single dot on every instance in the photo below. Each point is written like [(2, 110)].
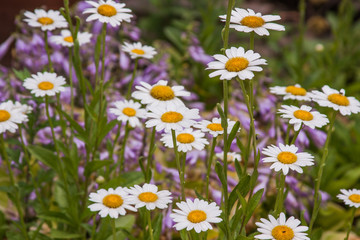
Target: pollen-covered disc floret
[(171, 118), (111, 202), (148, 195), (186, 140), (46, 20), (197, 215), (214, 126), (285, 157), (295, 92), (236, 63), (45, 83), (350, 197), (281, 229), (160, 94), (231, 156), (65, 39), (10, 117), (337, 100), (303, 115), (137, 50), (243, 20), (108, 11), (128, 110)]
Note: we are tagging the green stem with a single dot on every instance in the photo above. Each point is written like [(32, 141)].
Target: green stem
[(132, 80), (149, 158), (103, 36), (350, 223), (279, 204), (320, 172), (287, 138), (296, 135), (61, 169), (59, 108), (112, 220), (149, 225), (178, 165), (50, 67), (71, 84), (5, 157), (209, 164), (122, 153)]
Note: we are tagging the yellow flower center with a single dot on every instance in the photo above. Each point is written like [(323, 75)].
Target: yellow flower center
[(4, 115), (45, 21), (138, 51), (303, 115), (215, 127), (287, 157), (147, 197), (196, 216), (338, 99), (185, 138), (130, 112), (252, 21), (107, 10), (298, 91), (236, 64), (282, 232), (113, 201), (46, 85), (354, 198), (162, 93), (172, 117), (69, 39)]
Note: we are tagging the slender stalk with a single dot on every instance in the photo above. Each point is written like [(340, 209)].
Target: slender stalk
[(59, 108), (287, 138), (320, 172), (149, 158), (103, 36), (93, 229), (17, 203), (148, 213), (112, 220), (178, 165), (132, 80), (61, 169), (350, 223), (71, 84), (209, 165), (296, 135), (50, 66), (279, 204), (122, 153)]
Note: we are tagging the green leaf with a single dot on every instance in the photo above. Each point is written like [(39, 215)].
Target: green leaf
[(64, 235), (105, 130), (242, 187), (54, 216), (157, 226), (95, 165), (232, 134), (45, 156), (127, 179), (22, 74), (125, 222), (253, 202), (220, 172)]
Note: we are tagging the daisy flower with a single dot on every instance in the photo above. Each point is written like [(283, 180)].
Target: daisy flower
[(171, 118), (337, 100), (236, 63), (23, 108), (149, 196), (231, 156), (303, 115), (137, 50), (47, 21), (350, 197), (160, 94), (214, 127), (128, 110), (197, 215), (281, 229), (66, 40), (186, 140), (10, 117), (108, 11), (285, 157), (295, 92), (45, 83), (111, 202), (243, 20)]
